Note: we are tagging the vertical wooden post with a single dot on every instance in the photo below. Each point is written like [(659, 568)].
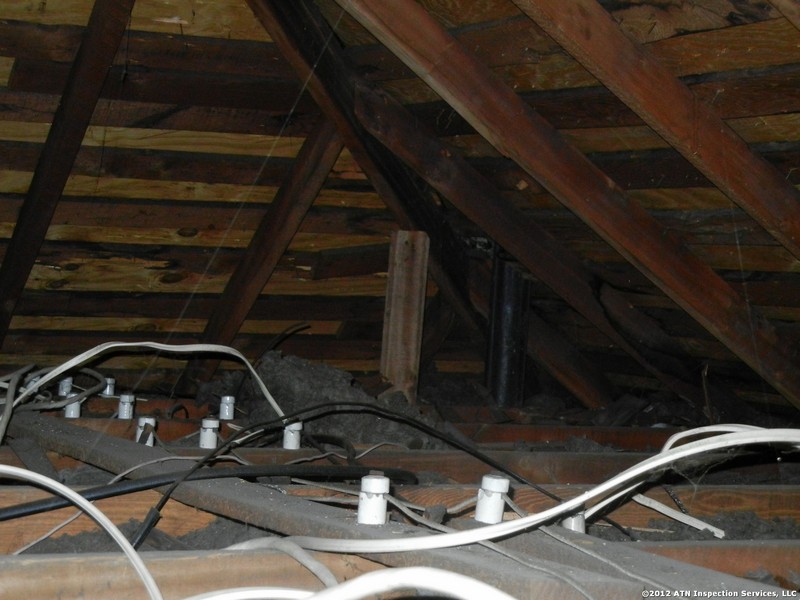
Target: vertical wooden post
[(405, 309)]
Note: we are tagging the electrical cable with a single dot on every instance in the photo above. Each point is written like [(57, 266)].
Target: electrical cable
[(288, 547), (114, 479), (13, 382), (646, 467), (406, 508), (95, 514), (131, 486), (80, 397), (678, 516), (651, 583), (670, 443), (101, 349), (413, 578), (375, 583), (316, 412), (515, 556)]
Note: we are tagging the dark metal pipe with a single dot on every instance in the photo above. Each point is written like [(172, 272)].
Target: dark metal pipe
[(505, 363)]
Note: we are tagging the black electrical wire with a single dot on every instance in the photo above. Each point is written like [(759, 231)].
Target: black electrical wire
[(322, 410), (130, 486)]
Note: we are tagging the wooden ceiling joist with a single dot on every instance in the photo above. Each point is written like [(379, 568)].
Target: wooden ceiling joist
[(107, 24), (517, 132), (666, 104), (270, 240)]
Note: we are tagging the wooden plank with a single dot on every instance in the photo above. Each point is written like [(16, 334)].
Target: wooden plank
[(155, 324), (670, 108), (107, 576), (762, 45), (148, 50), (170, 87), (163, 140), (788, 9), (733, 95), (119, 274), (769, 128), (778, 558), (92, 186), (223, 19), (87, 75), (407, 281), (178, 519), (56, 303), (500, 115), (39, 108)]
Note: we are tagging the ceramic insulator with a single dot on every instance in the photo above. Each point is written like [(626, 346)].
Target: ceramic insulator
[(226, 405), (208, 433), (291, 436), (141, 424), (491, 503), (125, 407), (372, 500)]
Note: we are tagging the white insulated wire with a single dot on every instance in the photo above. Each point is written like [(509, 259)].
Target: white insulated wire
[(96, 514), (369, 585), (489, 532), (409, 578), (678, 515), (254, 593), (724, 428), (670, 443), (85, 357)]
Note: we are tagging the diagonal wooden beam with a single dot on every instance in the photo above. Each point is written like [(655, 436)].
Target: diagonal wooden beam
[(519, 133), (270, 241), (789, 9), (101, 40), (306, 41), (587, 31), (540, 252)]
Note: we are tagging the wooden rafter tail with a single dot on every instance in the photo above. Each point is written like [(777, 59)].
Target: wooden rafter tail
[(517, 132), (668, 105), (101, 40), (305, 39), (270, 241)]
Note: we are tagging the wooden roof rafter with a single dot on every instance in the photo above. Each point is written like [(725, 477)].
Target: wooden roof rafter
[(588, 32), (101, 40), (269, 242), (306, 41), (517, 132), (545, 257)]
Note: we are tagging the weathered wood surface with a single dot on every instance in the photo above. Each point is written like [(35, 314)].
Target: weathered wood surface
[(87, 75), (564, 170), (107, 576), (404, 316)]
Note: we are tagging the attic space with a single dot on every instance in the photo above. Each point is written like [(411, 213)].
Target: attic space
[(341, 299)]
